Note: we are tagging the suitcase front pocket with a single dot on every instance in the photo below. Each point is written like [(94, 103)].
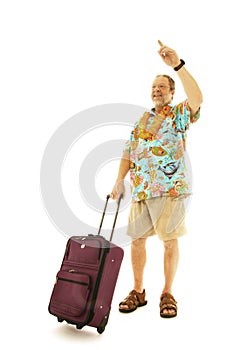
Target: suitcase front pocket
[(84, 251), (71, 292)]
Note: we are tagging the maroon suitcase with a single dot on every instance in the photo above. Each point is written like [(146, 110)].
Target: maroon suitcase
[(85, 284)]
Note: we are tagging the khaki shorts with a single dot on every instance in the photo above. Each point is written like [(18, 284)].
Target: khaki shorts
[(163, 216)]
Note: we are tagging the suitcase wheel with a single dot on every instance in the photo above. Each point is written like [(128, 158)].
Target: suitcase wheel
[(100, 330), (60, 319), (78, 326)]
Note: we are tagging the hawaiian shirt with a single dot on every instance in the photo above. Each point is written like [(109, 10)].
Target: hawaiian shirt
[(157, 147)]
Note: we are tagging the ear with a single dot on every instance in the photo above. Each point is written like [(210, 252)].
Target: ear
[(172, 93)]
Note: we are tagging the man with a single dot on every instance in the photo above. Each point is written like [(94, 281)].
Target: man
[(155, 156)]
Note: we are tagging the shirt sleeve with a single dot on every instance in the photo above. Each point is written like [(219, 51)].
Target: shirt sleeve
[(195, 117), (192, 118), (127, 145), (183, 116)]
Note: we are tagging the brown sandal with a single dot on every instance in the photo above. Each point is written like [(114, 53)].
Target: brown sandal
[(133, 301), (168, 302)]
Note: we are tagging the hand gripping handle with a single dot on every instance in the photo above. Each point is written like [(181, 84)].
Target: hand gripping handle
[(116, 214)]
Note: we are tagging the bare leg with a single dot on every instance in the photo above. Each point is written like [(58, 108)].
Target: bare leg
[(171, 259), (138, 259)]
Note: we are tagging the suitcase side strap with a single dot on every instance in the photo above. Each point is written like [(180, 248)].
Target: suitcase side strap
[(95, 292)]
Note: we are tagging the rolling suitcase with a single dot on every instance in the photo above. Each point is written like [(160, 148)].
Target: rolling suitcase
[(85, 284)]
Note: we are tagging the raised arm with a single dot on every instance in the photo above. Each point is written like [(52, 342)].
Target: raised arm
[(190, 86)]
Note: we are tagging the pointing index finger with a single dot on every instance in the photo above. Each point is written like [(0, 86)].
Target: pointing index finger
[(160, 43)]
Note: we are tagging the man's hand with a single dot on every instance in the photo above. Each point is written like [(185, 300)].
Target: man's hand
[(168, 55), (117, 190), (191, 88)]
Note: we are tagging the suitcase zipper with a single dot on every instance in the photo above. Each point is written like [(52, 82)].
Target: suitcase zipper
[(78, 272), (103, 243), (82, 265), (72, 281)]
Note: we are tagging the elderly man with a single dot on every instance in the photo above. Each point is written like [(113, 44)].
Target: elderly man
[(155, 157)]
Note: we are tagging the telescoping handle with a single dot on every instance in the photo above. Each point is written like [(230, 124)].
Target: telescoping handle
[(116, 214)]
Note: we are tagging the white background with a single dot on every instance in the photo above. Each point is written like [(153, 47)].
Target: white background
[(61, 57)]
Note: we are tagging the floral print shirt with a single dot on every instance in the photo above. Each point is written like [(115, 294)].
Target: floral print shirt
[(157, 153)]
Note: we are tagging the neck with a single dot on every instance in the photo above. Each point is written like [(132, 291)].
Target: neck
[(158, 109)]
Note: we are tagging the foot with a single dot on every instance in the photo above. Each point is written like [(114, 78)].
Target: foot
[(133, 301), (168, 307)]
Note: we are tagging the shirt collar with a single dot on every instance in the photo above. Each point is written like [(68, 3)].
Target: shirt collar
[(153, 109)]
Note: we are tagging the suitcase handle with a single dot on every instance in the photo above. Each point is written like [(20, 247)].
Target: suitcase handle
[(115, 218)]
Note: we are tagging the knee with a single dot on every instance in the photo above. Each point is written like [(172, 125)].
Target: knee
[(171, 244), (139, 243)]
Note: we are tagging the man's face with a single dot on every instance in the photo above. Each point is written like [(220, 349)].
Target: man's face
[(161, 94)]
